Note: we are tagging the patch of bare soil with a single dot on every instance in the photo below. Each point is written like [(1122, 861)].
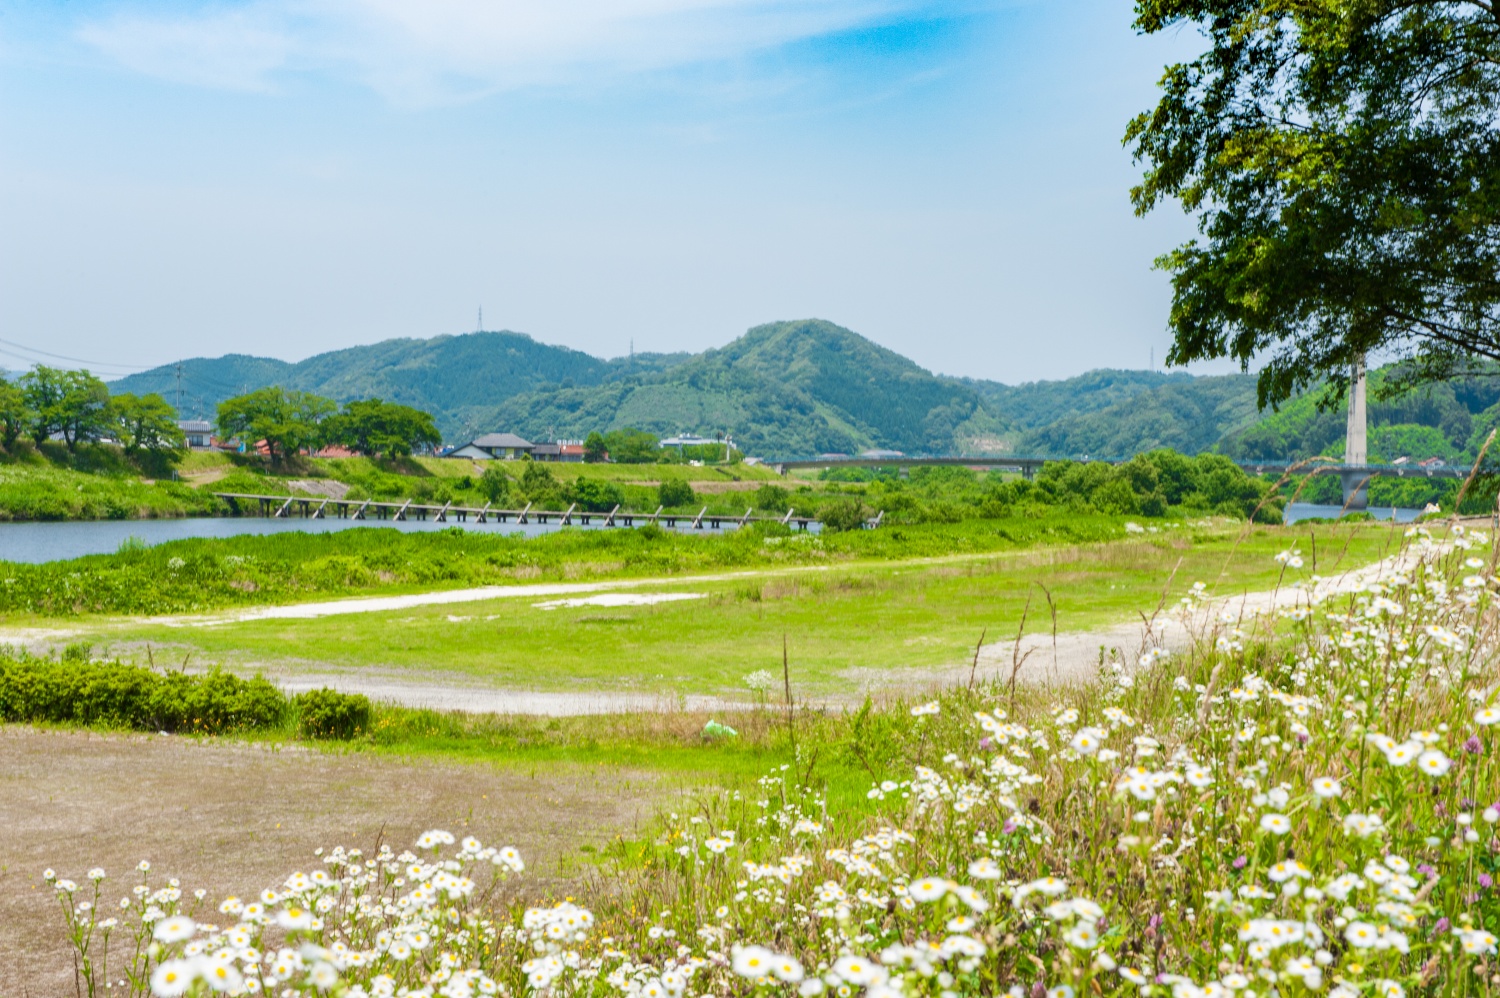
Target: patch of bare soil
[(206, 477), (319, 487), (236, 818)]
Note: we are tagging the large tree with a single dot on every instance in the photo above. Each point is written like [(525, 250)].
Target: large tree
[(286, 420), (74, 404), (373, 426), (15, 416), (1343, 159), (146, 423)]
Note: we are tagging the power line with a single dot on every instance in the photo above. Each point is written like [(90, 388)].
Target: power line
[(75, 360)]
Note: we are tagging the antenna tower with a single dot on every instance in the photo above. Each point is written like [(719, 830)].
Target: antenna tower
[(481, 320), (179, 389)]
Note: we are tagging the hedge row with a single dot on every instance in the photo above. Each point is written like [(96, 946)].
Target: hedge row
[(74, 690)]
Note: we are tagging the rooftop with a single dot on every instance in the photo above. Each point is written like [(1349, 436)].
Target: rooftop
[(493, 440)]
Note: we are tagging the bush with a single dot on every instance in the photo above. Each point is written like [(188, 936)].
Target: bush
[(772, 497), (674, 492), (110, 694), (596, 495), (844, 514), (331, 715), (494, 484)]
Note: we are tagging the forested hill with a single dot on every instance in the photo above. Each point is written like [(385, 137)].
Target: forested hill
[(459, 379), (808, 387), (787, 388)]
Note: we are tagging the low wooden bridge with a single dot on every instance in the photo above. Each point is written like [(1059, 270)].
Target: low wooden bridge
[(318, 508)]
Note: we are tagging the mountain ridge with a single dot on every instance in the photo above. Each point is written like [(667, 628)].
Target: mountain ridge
[(803, 387)]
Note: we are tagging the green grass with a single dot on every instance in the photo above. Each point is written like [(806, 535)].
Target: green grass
[(30, 491), (842, 625), (256, 570), (352, 468)]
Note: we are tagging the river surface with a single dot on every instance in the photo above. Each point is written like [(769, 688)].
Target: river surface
[(59, 540), (1308, 510), (56, 541)]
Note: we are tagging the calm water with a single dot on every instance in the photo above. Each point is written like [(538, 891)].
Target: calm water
[(1307, 511), (38, 542)]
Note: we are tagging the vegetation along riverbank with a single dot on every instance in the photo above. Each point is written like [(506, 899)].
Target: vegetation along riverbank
[(1139, 826)]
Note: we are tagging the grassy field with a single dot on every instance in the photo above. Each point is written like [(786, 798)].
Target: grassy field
[(199, 464), (1083, 839), (248, 570), (844, 625)]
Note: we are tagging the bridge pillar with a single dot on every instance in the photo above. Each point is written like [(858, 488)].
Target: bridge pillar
[(1356, 488), (1356, 453)]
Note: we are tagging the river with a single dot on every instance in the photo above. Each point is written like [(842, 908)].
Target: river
[(1298, 511), (60, 540)]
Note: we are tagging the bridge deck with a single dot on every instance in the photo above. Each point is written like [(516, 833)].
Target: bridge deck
[(313, 507), (1028, 466)]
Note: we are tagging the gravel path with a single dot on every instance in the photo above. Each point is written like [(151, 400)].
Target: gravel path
[(1069, 657)]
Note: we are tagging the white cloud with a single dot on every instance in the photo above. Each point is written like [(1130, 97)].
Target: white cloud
[(425, 51), (234, 50)]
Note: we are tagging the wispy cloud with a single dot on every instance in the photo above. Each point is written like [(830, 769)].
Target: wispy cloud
[(443, 50)]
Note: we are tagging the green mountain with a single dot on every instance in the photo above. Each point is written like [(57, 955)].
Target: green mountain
[(1179, 411), (1448, 421), (786, 388), (459, 379), (789, 389)]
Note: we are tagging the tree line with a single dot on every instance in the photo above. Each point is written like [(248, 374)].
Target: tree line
[(290, 421), (76, 407), (46, 403)]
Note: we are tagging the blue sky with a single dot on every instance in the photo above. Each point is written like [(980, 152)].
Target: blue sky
[(282, 178)]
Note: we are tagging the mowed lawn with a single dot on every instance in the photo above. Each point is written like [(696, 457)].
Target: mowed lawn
[(836, 623)]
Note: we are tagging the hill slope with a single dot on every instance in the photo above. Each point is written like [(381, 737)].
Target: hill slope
[(459, 379), (789, 389), (786, 388)]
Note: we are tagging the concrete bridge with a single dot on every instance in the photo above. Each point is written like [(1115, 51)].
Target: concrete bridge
[(1355, 474), (1028, 466)]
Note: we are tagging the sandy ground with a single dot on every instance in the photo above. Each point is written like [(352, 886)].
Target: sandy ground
[(1069, 657), (1075, 656), (234, 818)]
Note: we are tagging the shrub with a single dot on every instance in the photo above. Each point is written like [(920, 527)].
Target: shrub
[(331, 715), (674, 492), (494, 484), (844, 514), (596, 495), (772, 497), (111, 694)]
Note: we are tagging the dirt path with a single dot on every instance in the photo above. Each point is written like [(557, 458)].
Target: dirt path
[(385, 604), (234, 818), (1075, 656)]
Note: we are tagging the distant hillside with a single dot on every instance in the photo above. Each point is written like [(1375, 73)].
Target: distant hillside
[(790, 389), (1181, 412), (1449, 421), (786, 388), (459, 379)]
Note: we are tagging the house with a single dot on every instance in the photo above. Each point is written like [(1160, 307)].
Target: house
[(199, 433), (561, 451), (495, 447), (686, 440)]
